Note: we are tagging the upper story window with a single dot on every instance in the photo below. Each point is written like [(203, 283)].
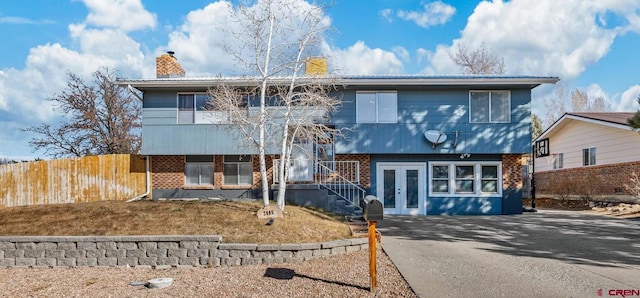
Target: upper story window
[(589, 156), (194, 108), (490, 106), (376, 107), (465, 179), (558, 161)]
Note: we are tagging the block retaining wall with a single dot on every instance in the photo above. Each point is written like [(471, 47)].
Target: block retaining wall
[(159, 251)]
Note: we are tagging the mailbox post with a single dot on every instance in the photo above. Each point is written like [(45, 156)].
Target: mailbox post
[(373, 211)]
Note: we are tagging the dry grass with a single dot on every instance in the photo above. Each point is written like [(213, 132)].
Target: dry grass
[(235, 221)]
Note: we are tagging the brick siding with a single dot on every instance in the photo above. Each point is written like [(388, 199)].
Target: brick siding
[(365, 166), (167, 171), (599, 180), (512, 171)]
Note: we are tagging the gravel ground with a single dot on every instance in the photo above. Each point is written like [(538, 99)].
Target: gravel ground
[(338, 276)]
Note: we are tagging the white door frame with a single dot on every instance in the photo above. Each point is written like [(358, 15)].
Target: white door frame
[(400, 168)]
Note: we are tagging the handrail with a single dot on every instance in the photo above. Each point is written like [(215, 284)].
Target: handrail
[(341, 186)]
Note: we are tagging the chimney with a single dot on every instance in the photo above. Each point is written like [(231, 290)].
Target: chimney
[(167, 66), (316, 66)]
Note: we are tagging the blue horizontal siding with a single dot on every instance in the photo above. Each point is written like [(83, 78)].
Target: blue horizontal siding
[(464, 206), (197, 139), (439, 109), (159, 116)]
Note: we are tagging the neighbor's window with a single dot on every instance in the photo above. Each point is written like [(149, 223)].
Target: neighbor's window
[(465, 179), (490, 106), (376, 107), (558, 161), (198, 170), (238, 170), (589, 156)]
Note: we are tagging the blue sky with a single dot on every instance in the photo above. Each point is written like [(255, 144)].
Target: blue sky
[(591, 45)]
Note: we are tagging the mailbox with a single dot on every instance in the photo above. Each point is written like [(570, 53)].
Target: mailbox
[(372, 208)]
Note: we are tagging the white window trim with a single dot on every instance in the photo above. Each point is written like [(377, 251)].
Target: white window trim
[(558, 161), (595, 157), (477, 179), (376, 92), (489, 91)]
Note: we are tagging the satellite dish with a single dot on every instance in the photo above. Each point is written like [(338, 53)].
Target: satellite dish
[(435, 137)]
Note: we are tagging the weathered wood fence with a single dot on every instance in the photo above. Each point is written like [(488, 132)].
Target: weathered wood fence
[(86, 179)]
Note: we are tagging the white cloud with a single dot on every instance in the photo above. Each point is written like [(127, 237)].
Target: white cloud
[(386, 14), (402, 53), (629, 100), (24, 92), (126, 15), (544, 37), (360, 59), (434, 13), (23, 21), (209, 39)]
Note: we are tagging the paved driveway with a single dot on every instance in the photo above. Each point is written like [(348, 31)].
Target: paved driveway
[(544, 254)]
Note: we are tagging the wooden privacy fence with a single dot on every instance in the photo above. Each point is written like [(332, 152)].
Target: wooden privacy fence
[(87, 179)]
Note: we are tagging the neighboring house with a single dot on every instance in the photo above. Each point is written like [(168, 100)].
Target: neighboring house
[(476, 170), (592, 156)]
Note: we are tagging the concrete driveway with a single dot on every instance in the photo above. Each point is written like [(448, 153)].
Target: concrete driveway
[(544, 254)]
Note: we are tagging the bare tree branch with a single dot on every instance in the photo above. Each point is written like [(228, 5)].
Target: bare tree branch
[(478, 61), (98, 118)]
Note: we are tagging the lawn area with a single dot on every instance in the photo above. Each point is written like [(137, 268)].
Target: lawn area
[(235, 221)]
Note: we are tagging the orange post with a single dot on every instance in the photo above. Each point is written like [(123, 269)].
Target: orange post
[(372, 255)]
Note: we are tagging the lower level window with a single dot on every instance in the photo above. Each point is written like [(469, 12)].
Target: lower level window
[(198, 170), (465, 179), (238, 170)]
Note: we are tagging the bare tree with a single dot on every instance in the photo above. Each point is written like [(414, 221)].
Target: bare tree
[(574, 101), (98, 118), (281, 106), (478, 61)]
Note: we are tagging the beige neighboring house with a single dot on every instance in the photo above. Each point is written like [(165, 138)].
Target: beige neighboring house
[(591, 156)]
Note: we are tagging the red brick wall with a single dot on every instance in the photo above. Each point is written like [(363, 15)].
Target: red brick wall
[(512, 171), (587, 181), (167, 171), (365, 166)]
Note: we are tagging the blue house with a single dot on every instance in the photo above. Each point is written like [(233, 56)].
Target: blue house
[(424, 145)]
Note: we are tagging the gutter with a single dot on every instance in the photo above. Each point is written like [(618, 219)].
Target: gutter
[(147, 172)]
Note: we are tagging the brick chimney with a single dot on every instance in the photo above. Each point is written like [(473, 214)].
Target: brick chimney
[(167, 66)]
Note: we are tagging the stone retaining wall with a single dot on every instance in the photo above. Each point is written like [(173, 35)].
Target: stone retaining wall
[(158, 251)]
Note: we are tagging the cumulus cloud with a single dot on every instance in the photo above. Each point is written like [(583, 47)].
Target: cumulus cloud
[(24, 92), (629, 100), (402, 53), (544, 37), (126, 15), (214, 40), (360, 59), (434, 13)]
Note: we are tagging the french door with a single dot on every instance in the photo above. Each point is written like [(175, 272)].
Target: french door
[(401, 187)]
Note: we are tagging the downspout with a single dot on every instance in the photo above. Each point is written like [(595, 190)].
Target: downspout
[(147, 172), (148, 182)]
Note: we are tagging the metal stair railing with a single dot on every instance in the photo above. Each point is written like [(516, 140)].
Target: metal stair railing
[(341, 186)]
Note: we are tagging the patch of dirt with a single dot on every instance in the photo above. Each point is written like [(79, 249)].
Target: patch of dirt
[(620, 210)]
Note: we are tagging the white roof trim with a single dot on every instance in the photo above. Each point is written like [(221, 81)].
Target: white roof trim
[(565, 118)]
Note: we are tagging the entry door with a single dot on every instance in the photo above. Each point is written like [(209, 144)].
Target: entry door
[(300, 164), (401, 187)]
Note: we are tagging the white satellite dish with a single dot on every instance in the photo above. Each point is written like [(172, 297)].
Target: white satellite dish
[(435, 137)]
